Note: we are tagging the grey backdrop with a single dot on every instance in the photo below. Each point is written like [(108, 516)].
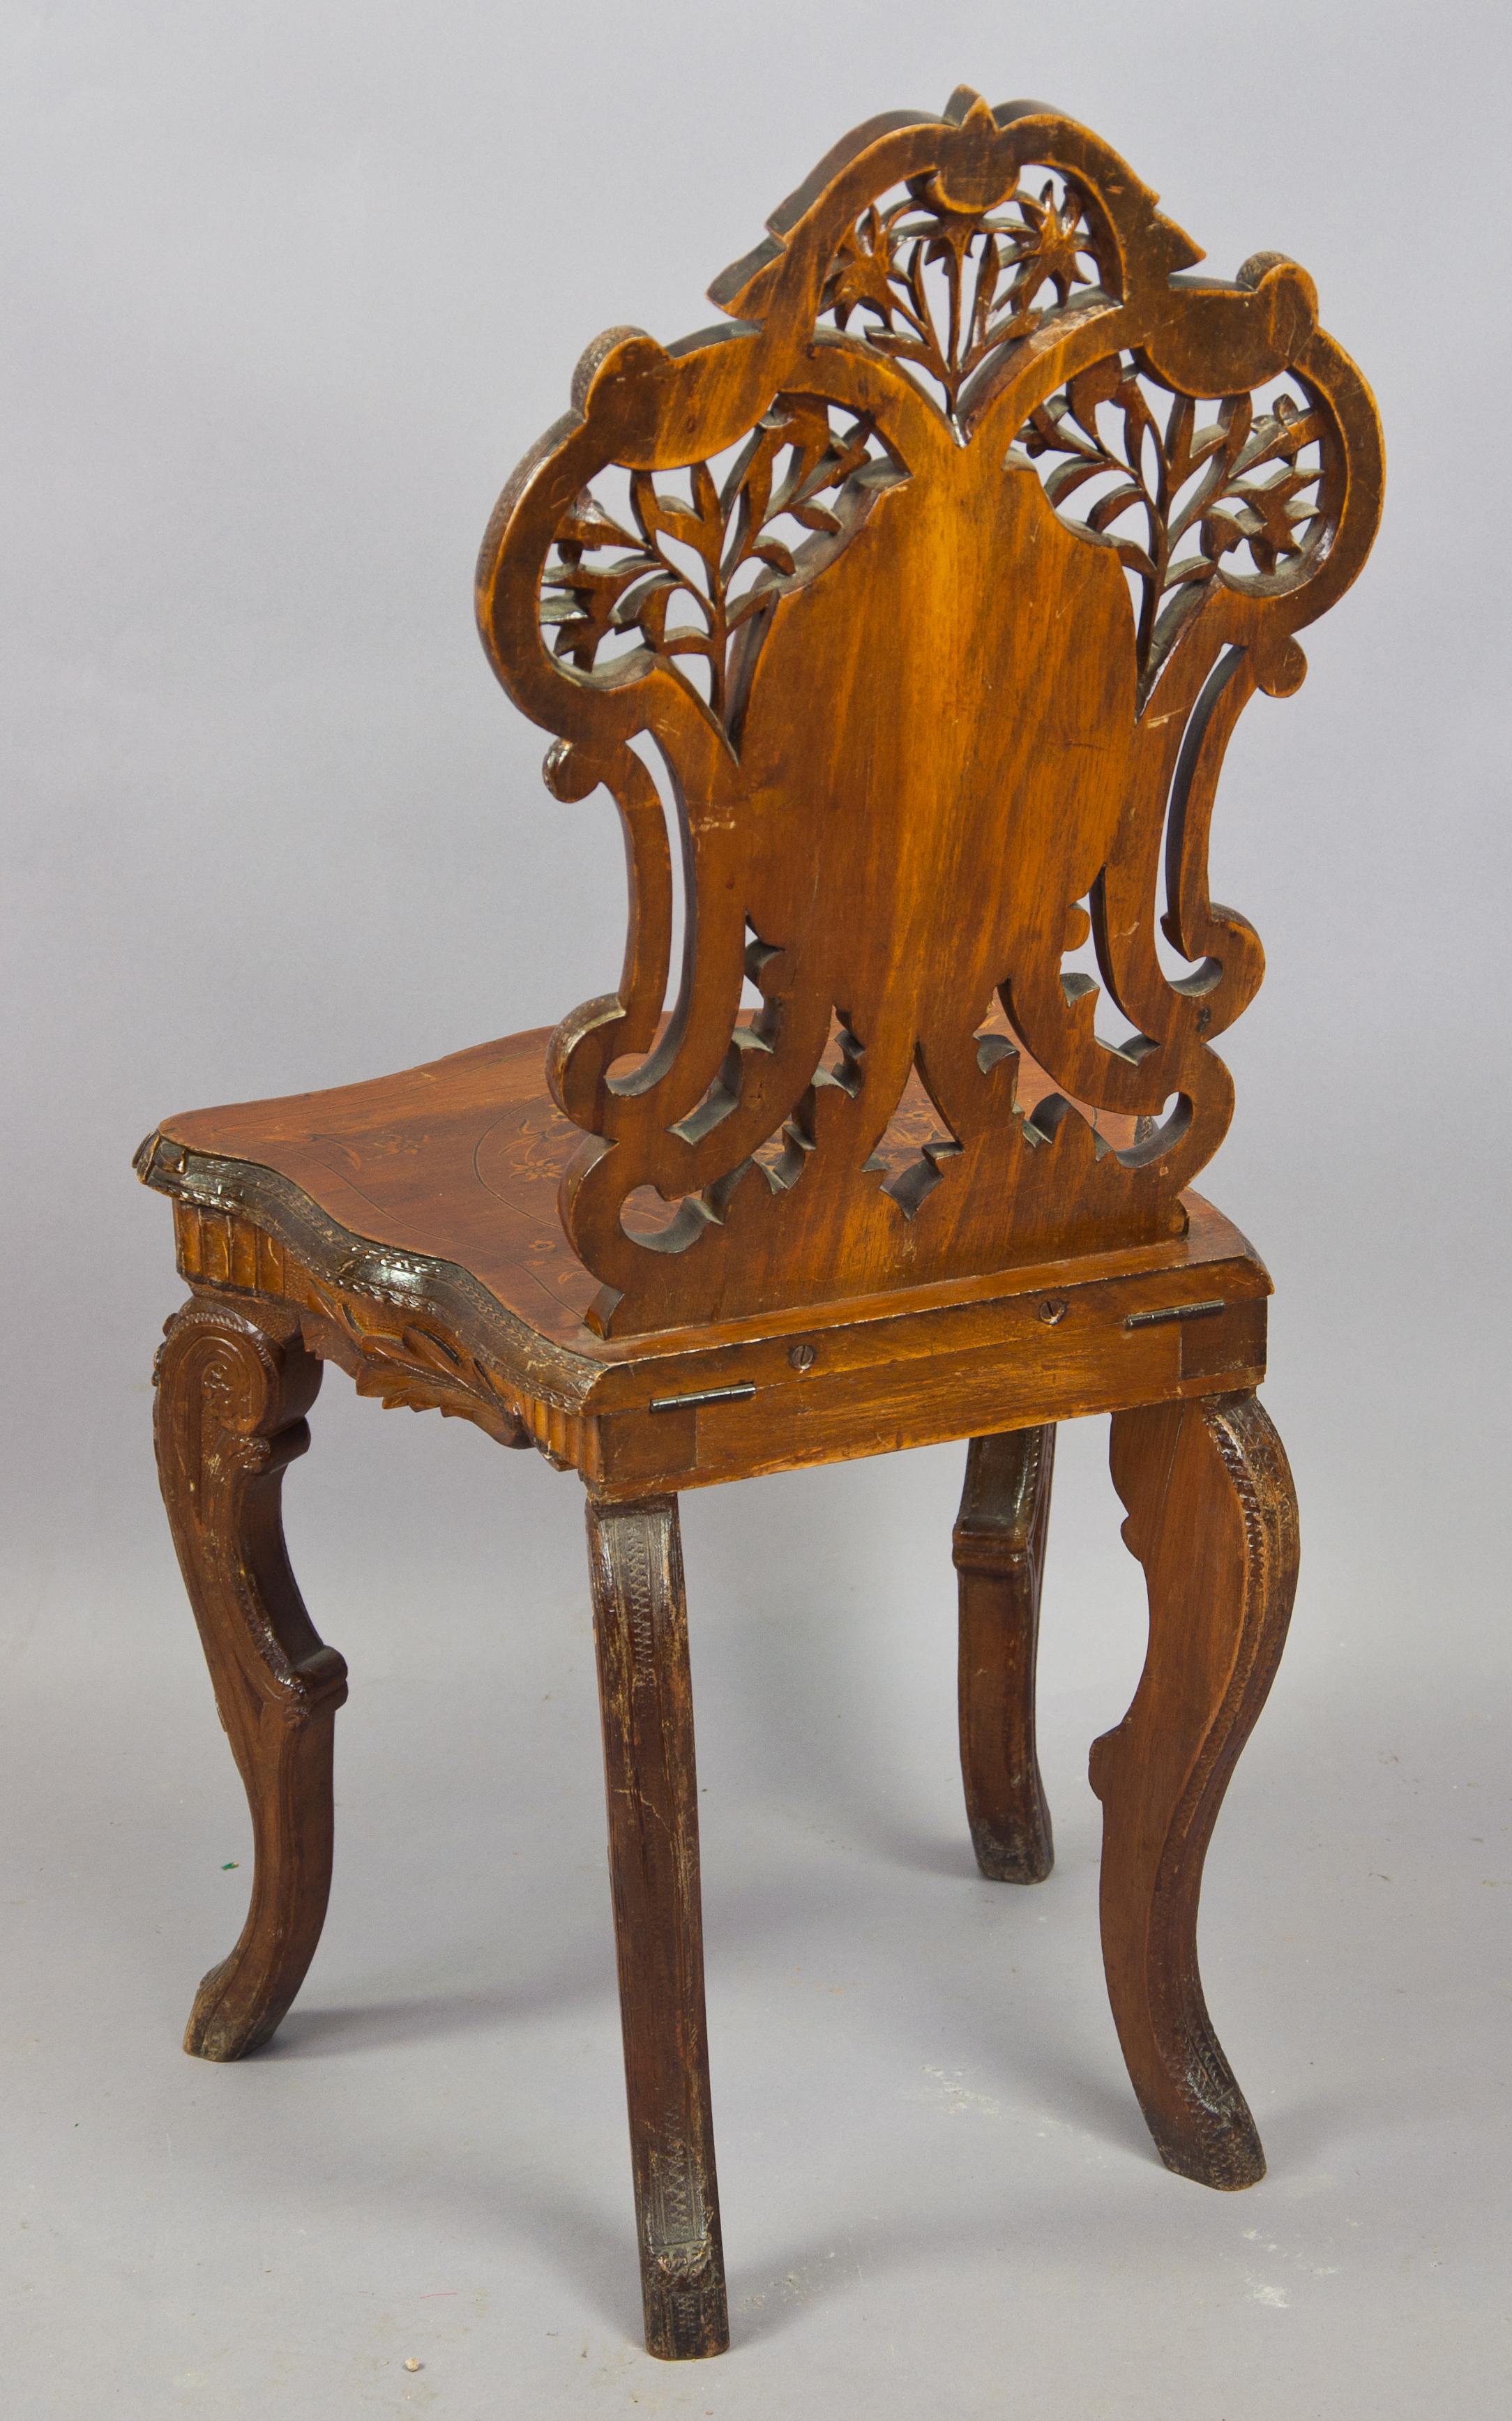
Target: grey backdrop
[(287, 290)]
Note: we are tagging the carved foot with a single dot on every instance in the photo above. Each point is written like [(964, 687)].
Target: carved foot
[(231, 1395), (641, 1630), (999, 1552), (1212, 1517)]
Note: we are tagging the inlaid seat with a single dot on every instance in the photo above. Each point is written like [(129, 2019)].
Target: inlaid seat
[(913, 611)]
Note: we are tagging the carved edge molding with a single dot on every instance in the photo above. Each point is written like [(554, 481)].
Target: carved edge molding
[(369, 1306)]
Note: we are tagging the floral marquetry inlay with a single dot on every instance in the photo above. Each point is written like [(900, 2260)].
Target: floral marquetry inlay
[(834, 603)]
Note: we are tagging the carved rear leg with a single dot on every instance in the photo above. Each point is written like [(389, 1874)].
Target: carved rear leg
[(1212, 1517), (641, 1630), (999, 1552), (232, 1390)]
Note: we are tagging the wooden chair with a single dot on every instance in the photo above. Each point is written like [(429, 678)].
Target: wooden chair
[(921, 598)]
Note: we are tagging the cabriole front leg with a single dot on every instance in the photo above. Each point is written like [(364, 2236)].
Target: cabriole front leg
[(640, 1623), (999, 1550), (1212, 1517), (233, 1387)]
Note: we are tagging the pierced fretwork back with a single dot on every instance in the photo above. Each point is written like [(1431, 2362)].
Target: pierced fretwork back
[(937, 582)]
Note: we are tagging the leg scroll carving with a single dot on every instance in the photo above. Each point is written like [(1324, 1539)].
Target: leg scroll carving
[(1212, 1517), (641, 1632), (999, 1552), (232, 1392)]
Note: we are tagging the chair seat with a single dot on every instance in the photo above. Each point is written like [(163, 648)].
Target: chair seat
[(413, 1221), (457, 1162)]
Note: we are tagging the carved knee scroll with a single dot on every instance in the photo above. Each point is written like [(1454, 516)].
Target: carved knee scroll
[(999, 1552), (1212, 1517), (232, 1392), (646, 1697)]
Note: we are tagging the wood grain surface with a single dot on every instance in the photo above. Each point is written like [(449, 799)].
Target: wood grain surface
[(998, 1547), (232, 1390), (1212, 1517), (369, 1207), (911, 612), (640, 1627), (934, 585)]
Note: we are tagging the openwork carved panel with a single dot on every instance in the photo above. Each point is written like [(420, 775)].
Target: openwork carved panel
[(941, 288), (936, 584), (704, 562), (1176, 497)]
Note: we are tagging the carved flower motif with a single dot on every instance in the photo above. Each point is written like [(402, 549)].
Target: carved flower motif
[(993, 265), (1054, 243), (862, 272)]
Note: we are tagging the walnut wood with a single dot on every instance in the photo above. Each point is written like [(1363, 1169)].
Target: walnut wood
[(232, 1393), (912, 611), (640, 1621), (428, 1302), (999, 1550), (1212, 1517), (919, 739), (460, 1160)]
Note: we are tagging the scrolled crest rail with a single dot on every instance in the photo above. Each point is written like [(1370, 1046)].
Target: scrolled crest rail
[(935, 582)]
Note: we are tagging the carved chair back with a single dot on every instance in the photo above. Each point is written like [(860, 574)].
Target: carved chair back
[(936, 582)]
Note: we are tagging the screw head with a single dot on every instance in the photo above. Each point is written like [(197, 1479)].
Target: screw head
[(802, 1357), (1053, 1310)]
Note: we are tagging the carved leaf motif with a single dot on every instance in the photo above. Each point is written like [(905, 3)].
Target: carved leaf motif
[(1166, 481), (921, 787), (803, 450), (994, 270)]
